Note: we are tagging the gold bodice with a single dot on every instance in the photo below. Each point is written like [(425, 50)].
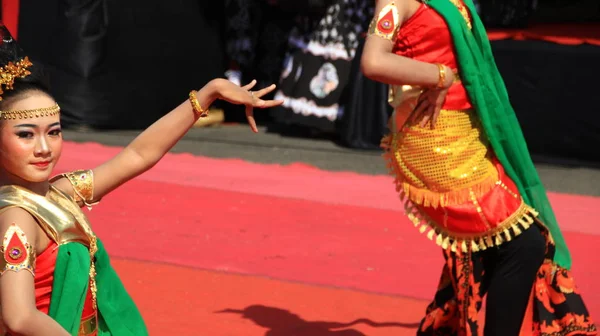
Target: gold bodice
[(58, 215)]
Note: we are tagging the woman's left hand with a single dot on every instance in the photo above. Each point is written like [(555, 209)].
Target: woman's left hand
[(243, 95)]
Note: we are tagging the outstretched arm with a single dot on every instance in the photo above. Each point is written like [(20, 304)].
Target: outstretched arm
[(17, 292), (153, 143)]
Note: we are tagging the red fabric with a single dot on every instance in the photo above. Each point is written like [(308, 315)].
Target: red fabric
[(425, 37), (568, 34), (44, 276), (497, 205), (10, 16), (88, 309)]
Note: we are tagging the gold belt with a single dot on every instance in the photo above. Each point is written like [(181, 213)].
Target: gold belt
[(88, 326)]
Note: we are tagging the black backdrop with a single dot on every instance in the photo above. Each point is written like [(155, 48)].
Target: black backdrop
[(554, 91), (124, 63)]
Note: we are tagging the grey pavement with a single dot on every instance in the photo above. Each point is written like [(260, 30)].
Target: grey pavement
[(237, 141)]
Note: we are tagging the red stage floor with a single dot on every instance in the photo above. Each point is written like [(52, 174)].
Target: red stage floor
[(293, 245)]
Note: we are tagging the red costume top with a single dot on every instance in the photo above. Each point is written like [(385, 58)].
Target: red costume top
[(425, 37), (44, 275)]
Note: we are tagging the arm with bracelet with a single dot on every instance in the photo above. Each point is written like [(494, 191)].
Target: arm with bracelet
[(429, 81), (89, 186)]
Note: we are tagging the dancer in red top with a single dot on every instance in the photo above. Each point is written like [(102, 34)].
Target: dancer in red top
[(466, 177)]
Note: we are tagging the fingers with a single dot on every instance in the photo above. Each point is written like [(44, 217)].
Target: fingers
[(249, 85), (436, 113), (419, 110), (265, 91), (269, 103), (250, 117), (427, 115)]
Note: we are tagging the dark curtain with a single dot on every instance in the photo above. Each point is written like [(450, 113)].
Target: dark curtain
[(366, 110), (123, 64), (553, 90)]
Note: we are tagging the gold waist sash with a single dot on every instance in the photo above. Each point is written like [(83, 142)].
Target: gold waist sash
[(437, 167)]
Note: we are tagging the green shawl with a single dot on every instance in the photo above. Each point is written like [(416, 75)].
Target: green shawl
[(488, 95), (118, 315)]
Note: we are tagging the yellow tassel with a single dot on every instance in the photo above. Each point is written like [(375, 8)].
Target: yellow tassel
[(430, 234), (516, 229), (446, 243), (423, 228), (439, 239), (507, 235), (529, 219), (482, 246), (414, 219), (454, 246), (525, 225), (474, 246), (463, 246), (498, 239), (488, 241)]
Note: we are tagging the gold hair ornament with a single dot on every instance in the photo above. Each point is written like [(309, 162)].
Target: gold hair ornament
[(9, 72), (33, 113)]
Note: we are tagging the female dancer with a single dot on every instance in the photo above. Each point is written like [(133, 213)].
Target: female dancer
[(56, 278), (463, 169)]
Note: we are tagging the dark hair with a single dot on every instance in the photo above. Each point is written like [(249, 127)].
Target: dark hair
[(10, 51)]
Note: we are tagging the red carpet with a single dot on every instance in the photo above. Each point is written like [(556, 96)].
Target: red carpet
[(294, 223)]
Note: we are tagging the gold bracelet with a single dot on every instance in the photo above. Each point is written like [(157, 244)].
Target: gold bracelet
[(198, 110), (442, 78)]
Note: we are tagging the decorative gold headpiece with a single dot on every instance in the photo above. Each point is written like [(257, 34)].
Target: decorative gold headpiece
[(9, 72), (33, 113)]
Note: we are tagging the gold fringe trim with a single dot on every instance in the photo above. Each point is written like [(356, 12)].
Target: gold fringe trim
[(426, 197), (510, 228)]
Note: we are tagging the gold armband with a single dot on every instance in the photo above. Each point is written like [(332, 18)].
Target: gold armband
[(386, 23), (17, 253), (198, 110), (82, 182)]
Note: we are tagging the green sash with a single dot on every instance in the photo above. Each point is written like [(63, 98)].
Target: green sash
[(488, 94), (118, 315)]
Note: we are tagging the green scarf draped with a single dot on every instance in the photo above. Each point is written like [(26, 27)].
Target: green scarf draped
[(488, 95), (118, 315)]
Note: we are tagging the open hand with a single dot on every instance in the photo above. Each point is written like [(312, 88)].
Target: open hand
[(234, 94)]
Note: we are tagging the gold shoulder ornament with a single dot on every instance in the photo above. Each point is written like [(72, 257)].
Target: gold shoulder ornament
[(386, 23), (17, 252), (82, 182)]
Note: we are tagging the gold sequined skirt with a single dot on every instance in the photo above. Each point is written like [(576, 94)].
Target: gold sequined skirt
[(444, 165)]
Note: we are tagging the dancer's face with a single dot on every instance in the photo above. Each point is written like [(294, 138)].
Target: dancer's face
[(30, 147)]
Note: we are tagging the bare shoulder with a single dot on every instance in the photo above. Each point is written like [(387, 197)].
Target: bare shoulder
[(16, 214), (19, 219)]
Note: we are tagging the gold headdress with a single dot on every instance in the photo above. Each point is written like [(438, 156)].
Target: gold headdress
[(33, 113), (8, 73), (18, 68)]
